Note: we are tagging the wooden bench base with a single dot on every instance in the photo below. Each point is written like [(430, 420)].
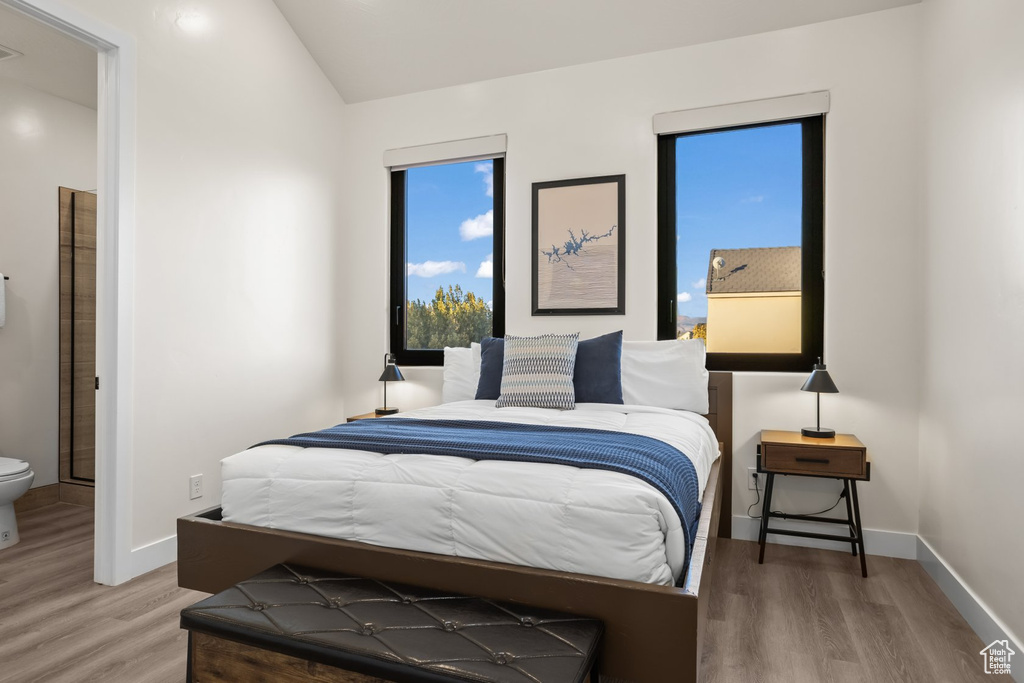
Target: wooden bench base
[(216, 660)]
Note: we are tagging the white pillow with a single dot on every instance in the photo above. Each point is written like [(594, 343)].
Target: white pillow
[(666, 374), (461, 373)]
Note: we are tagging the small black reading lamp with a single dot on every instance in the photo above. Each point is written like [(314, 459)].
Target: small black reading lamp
[(391, 374), (820, 383)]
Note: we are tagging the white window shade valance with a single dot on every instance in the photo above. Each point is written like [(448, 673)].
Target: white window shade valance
[(742, 113), (471, 149)]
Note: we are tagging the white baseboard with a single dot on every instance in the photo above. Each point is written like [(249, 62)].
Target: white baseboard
[(153, 556), (972, 608), (876, 542)]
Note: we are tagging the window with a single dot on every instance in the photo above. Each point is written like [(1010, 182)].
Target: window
[(447, 288), (740, 216)]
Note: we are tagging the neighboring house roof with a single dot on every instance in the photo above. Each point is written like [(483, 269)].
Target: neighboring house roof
[(769, 269)]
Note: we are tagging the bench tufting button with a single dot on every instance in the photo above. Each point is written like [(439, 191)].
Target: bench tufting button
[(449, 626), (527, 622), (368, 630), (407, 601), (258, 607), (502, 658)]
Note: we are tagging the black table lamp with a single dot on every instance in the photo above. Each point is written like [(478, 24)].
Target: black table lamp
[(820, 383), (391, 374)]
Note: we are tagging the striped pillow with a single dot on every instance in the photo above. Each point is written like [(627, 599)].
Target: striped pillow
[(537, 372)]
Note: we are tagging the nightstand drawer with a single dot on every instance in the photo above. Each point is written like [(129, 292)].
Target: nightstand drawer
[(823, 461)]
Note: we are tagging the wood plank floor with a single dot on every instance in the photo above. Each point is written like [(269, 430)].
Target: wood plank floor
[(57, 626), (808, 615), (805, 615)]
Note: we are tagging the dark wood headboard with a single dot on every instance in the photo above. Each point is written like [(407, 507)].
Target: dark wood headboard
[(720, 417)]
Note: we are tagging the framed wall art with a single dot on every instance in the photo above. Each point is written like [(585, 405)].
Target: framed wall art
[(579, 246)]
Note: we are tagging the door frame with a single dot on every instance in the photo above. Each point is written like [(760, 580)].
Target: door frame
[(115, 228)]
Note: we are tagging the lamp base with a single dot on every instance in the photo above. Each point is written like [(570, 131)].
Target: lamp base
[(386, 411), (819, 433)]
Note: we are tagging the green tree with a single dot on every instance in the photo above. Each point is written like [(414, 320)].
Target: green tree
[(450, 319)]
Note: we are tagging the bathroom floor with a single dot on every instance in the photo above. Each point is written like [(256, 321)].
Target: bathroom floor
[(58, 626)]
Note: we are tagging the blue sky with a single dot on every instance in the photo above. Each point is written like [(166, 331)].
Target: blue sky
[(734, 189), (449, 226)]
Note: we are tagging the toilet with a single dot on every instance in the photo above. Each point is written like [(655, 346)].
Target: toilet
[(15, 479)]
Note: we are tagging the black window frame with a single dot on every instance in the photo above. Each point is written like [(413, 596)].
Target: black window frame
[(398, 260), (812, 317)]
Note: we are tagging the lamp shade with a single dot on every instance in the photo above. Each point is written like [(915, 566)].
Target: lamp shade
[(391, 374), (820, 381)]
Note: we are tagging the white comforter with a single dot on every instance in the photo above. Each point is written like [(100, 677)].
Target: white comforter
[(538, 515)]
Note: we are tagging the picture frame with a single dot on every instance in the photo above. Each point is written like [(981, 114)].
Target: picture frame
[(579, 246)]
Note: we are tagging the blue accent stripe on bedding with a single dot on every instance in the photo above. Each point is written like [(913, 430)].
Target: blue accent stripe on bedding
[(655, 462)]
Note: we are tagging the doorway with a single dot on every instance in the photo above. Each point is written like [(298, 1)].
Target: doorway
[(48, 138), (114, 561)]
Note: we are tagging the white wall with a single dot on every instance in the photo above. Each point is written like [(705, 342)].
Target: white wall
[(45, 142), (973, 366), (238, 152), (595, 119)]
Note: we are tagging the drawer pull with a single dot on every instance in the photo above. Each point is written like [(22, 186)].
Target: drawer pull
[(820, 461)]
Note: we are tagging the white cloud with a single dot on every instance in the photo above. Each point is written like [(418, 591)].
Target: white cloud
[(488, 171), (700, 284), (432, 268), (486, 268), (684, 297), (475, 228), (755, 199)]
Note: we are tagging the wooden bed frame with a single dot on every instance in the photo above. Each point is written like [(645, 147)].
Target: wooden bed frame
[(653, 634)]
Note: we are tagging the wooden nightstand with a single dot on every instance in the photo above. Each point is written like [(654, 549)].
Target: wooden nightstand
[(364, 416), (843, 457)]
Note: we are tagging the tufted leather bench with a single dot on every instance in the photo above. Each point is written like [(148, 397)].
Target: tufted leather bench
[(290, 624)]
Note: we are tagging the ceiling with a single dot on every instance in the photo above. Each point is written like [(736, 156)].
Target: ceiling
[(379, 48), (51, 61)]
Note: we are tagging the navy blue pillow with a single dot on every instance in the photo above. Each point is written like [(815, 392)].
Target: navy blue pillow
[(597, 376), (492, 360), (598, 373)]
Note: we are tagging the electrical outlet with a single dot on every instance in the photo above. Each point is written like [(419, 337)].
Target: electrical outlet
[(195, 486), (753, 478)]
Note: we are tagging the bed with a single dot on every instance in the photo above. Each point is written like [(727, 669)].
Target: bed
[(582, 521), (653, 631)]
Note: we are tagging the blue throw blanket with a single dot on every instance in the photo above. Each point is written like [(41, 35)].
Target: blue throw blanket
[(655, 462)]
